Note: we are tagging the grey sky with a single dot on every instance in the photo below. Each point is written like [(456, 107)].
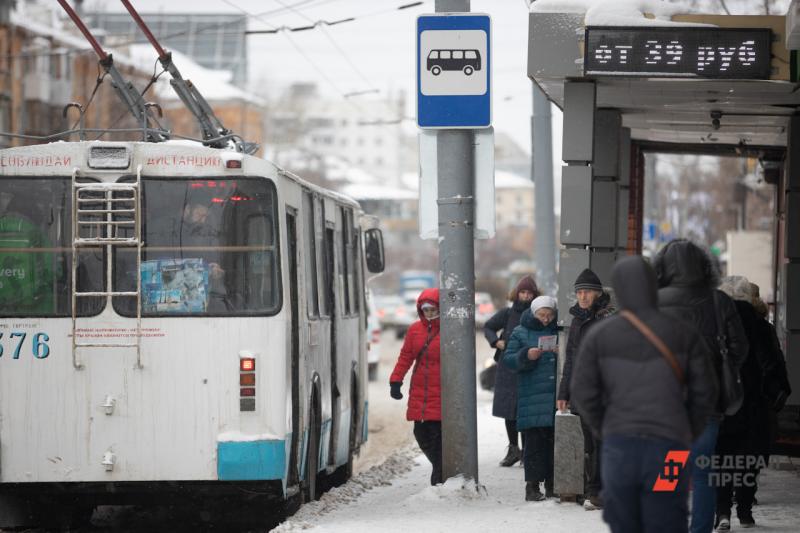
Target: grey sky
[(379, 46)]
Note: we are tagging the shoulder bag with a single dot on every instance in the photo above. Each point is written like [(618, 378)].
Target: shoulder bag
[(654, 339), (731, 391)]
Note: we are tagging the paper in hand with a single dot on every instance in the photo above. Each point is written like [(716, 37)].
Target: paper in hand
[(548, 343)]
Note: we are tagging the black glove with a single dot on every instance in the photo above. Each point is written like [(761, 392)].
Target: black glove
[(395, 390)]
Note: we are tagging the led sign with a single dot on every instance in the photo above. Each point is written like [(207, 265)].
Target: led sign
[(678, 52)]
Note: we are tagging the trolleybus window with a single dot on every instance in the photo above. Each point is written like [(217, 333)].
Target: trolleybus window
[(311, 254), (36, 251), (210, 248)]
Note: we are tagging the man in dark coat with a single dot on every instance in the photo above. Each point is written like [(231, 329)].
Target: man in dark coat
[(504, 403), (593, 304), (634, 400), (688, 279)]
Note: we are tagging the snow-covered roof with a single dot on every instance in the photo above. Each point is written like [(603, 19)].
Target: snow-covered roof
[(617, 12), (502, 180), (508, 180), (32, 19), (361, 191), (213, 84)]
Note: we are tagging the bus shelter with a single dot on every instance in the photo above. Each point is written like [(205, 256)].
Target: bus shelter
[(681, 83)]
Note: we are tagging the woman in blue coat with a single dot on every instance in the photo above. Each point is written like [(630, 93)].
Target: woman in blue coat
[(536, 391)]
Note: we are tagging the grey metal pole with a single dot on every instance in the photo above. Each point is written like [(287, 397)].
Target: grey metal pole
[(542, 169), (456, 168)]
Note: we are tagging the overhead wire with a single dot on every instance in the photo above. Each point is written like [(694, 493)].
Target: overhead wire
[(335, 45), (308, 59), (284, 30)]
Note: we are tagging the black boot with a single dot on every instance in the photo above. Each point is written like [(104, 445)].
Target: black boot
[(514, 454), (746, 519), (532, 493)]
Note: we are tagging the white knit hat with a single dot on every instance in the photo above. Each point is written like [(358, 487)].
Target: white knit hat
[(543, 301)]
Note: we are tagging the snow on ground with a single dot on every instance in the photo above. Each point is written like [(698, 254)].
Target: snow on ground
[(396, 496)]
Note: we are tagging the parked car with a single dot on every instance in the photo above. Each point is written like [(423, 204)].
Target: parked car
[(373, 347), (373, 338), (396, 313), (484, 308)]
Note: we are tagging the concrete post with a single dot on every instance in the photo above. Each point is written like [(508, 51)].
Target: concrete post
[(455, 167), (595, 185), (576, 236), (542, 172)]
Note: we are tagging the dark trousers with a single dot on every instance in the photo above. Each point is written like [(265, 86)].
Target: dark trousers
[(738, 446), (429, 439), (629, 502), (511, 431), (591, 468), (538, 455)]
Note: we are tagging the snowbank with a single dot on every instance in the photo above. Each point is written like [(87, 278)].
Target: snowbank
[(396, 497)]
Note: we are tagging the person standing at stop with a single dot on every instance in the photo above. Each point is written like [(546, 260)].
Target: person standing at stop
[(593, 304), (688, 280), (535, 360), (644, 383), (421, 349), (504, 402)]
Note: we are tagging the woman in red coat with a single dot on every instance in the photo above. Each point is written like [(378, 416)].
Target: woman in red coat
[(421, 346)]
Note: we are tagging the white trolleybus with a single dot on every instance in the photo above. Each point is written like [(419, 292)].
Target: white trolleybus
[(175, 318)]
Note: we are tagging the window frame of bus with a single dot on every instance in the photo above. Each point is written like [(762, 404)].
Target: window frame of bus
[(68, 223), (349, 241), (309, 255), (276, 239)]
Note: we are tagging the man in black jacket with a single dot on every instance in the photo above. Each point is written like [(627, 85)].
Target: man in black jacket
[(593, 303), (688, 281), (631, 396)]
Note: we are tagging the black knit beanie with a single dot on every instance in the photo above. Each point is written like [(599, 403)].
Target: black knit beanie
[(588, 280)]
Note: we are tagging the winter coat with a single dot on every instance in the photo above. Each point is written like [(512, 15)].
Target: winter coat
[(536, 380), (749, 423), (622, 385), (421, 348), (504, 403), (582, 320), (687, 281), (775, 380)]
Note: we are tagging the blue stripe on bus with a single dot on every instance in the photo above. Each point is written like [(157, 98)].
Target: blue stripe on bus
[(252, 460)]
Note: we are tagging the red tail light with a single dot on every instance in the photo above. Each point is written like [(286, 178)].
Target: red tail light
[(247, 383)]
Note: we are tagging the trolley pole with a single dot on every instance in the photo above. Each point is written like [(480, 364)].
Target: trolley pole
[(455, 169)]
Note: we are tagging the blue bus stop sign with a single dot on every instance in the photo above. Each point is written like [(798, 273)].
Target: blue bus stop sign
[(453, 71)]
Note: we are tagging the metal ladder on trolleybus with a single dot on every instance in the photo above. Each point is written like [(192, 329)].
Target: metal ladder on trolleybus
[(99, 212)]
